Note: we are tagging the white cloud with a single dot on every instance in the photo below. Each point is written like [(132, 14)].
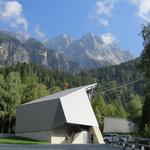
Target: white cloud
[(108, 38), (12, 8), (104, 22), (105, 7), (40, 33), (143, 7), (103, 11), (12, 13)]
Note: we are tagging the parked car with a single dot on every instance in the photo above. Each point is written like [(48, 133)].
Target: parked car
[(111, 138), (126, 139)]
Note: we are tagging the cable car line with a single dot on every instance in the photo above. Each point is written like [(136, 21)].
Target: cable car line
[(118, 87)]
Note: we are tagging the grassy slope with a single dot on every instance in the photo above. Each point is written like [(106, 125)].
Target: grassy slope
[(19, 140)]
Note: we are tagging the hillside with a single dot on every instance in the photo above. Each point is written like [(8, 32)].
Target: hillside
[(61, 53), (13, 51), (25, 82)]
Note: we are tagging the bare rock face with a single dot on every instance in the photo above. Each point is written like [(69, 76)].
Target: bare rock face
[(62, 52), (90, 51), (13, 51), (39, 54)]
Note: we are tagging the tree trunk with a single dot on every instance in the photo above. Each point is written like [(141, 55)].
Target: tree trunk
[(2, 130), (9, 125)]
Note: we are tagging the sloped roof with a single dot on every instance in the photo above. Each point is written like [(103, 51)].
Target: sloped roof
[(61, 94), (70, 106)]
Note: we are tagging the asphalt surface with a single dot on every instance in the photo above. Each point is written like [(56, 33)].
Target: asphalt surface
[(58, 147)]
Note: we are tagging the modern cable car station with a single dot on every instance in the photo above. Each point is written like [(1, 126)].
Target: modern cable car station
[(64, 114)]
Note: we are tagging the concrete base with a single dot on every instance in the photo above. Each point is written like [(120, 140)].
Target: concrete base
[(57, 136), (81, 138)]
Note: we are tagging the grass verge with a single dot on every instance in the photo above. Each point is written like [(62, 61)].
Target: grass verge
[(19, 140)]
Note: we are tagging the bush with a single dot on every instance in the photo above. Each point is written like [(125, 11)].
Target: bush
[(147, 130)]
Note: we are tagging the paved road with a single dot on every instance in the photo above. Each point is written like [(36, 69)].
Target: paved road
[(58, 147)]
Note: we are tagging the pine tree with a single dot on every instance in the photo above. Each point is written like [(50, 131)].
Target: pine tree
[(145, 65)]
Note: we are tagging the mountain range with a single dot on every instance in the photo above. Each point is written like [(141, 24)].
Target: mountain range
[(62, 52), (90, 51)]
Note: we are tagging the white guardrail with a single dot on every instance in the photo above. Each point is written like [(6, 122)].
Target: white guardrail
[(139, 144)]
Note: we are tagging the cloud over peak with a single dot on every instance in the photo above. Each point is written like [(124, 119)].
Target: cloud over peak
[(12, 13), (108, 38), (105, 7), (12, 8), (39, 33), (143, 7), (102, 11)]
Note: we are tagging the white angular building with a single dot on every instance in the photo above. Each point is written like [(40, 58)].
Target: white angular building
[(66, 113)]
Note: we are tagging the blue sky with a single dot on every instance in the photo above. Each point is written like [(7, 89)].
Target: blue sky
[(118, 21)]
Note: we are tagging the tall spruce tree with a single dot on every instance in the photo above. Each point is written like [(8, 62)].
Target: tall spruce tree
[(145, 65)]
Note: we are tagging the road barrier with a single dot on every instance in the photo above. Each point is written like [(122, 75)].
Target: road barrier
[(135, 146)]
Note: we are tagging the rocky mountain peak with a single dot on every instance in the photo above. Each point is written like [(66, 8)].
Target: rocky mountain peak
[(88, 36), (62, 52), (90, 50), (13, 51), (60, 42)]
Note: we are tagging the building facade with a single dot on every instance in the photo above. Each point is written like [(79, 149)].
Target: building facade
[(63, 117), (119, 125)]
